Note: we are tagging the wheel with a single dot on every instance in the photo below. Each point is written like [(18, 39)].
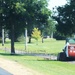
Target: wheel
[(61, 56)]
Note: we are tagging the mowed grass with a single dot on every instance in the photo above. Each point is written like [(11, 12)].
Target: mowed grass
[(46, 67), (49, 46)]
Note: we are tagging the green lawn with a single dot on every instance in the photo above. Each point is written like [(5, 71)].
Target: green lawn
[(49, 46), (46, 67)]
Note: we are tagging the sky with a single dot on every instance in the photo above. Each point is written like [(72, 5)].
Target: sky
[(53, 3)]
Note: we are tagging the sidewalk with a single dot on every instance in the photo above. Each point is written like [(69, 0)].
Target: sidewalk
[(13, 68)]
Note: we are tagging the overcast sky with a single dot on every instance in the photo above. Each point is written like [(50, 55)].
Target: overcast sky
[(53, 3)]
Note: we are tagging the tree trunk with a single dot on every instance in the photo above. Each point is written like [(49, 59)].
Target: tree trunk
[(12, 40), (42, 39), (29, 39), (52, 35)]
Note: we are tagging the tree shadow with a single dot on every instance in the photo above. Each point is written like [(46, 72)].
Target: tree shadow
[(9, 54)]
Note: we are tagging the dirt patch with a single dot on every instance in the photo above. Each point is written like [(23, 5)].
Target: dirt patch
[(15, 68)]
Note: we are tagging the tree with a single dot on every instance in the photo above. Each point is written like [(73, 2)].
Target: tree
[(36, 34), (11, 13), (50, 27), (15, 15), (36, 14), (41, 15), (66, 18)]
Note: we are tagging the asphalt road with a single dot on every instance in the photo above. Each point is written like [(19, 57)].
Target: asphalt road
[(4, 72)]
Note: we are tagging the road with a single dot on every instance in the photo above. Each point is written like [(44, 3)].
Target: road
[(4, 72)]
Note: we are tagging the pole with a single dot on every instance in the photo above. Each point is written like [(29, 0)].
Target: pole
[(25, 38), (2, 36), (42, 37)]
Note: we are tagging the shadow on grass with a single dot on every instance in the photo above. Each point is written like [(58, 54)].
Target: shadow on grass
[(28, 58), (46, 60), (8, 54)]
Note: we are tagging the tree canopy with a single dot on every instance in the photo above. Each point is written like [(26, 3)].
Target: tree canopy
[(50, 27), (66, 18), (15, 15)]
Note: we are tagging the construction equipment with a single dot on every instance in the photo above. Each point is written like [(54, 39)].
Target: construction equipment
[(68, 51)]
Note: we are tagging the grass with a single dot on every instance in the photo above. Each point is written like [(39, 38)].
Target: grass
[(49, 46), (46, 67)]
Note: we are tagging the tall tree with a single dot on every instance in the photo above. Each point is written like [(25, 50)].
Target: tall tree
[(50, 27), (18, 14), (40, 16), (11, 16), (66, 18)]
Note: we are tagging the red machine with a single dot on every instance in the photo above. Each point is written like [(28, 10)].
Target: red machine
[(68, 51), (71, 51)]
